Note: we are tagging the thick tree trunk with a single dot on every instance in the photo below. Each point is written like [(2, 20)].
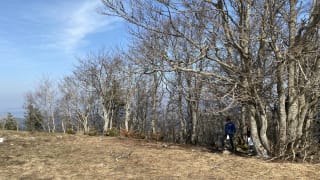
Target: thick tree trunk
[(260, 149), (83, 118), (128, 114), (106, 118), (111, 118), (194, 117), (48, 125), (63, 127), (53, 122), (243, 127), (281, 145), (183, 129), (303, 109), (85, 124), (293, 110), (263, 123), (128, 103)]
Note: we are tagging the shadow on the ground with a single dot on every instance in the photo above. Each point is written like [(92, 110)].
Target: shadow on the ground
[(241, 153)]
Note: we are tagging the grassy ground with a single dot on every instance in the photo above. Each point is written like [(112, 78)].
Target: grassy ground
[(25, 155)]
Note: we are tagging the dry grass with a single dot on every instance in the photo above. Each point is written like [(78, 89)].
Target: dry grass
[(56, 156)]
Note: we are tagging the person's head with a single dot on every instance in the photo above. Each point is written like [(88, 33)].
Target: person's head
[(228, 119)]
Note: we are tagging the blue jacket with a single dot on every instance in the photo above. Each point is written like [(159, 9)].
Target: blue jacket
[(230, 128)]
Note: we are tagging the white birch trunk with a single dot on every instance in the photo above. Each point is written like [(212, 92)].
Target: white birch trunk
[(106, 119), (128, 113), (154, 103)]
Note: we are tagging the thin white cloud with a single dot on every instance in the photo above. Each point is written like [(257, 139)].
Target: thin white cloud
[(40, 36), (83, 21), (65, 25)]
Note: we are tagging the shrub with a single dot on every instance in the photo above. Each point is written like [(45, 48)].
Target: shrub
[(10, 123), (70, 131), (157, 136), (112, 132), (132, 134), (92, 132)]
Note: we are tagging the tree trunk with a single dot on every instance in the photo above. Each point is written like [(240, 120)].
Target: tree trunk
[(260, 149), (53, 122), (128, 113), (243, 125), (106, 119), (128, 104), (63, 126), (292, 93), (154, 103), (83, 118), (183, 129), (263, 123), (282, 111), (194, 116), (111, 118), (48, 125), (182, 120)]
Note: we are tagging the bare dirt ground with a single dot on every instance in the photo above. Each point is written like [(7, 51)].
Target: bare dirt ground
[(25, 155)]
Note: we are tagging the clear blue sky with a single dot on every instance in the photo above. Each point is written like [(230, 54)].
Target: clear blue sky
[(42, 38)]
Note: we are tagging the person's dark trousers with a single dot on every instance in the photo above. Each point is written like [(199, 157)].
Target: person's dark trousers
[(231, 136), (231, 142)]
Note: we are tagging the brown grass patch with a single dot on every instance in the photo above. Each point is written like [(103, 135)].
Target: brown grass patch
[(57, 156)]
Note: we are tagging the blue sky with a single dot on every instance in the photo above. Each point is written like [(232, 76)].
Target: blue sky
[(43, 38)]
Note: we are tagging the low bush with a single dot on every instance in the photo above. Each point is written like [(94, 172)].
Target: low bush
[(112, 132)]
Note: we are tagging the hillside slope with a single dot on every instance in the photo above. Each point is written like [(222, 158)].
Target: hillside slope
[(56, 156)]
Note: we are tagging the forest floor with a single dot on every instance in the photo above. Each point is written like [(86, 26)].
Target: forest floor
[(25, 155)]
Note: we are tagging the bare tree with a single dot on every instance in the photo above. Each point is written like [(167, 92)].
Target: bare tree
[(99, 73), (257, 53), (45, 99), (77, 104), (141, 103), (129, 82)]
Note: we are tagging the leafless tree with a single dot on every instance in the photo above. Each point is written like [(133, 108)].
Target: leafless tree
[(100, 73), (76, 104), (45, 99), (258, 54)]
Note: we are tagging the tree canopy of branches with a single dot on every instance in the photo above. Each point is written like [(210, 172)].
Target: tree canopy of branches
[(262, 55), (191, 64)]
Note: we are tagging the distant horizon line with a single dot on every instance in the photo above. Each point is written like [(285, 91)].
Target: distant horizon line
[(17, 113)]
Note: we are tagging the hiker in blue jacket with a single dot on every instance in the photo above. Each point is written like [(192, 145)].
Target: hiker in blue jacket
[(230, 131)]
